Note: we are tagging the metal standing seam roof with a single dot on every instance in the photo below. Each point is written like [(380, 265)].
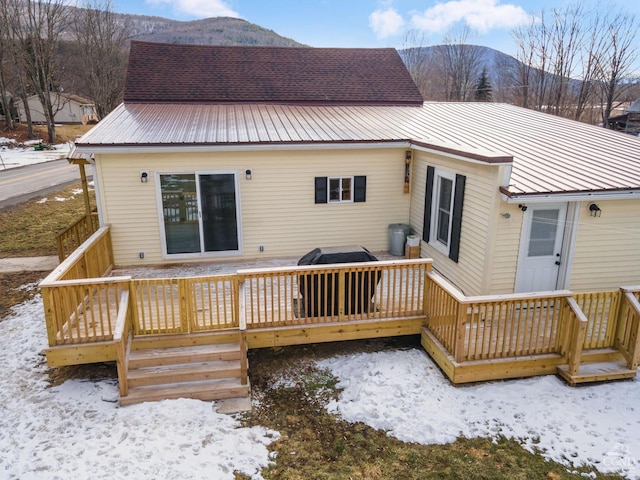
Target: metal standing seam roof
[(551, 155)]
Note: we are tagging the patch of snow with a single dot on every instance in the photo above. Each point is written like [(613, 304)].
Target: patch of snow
[(77, 430), (18, 157), (404, 393)]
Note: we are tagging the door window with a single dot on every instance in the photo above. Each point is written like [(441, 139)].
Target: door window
[(199, 213), (544, 226)]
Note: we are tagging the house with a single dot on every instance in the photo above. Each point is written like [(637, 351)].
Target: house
[(221, 153), (67, 108), (628, 122)]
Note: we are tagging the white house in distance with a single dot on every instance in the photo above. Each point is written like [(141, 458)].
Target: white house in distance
[(255, 152), (67, 109)]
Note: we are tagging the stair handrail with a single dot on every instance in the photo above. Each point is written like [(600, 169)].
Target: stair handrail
[(576, 331), (122, 337), (632, 352)]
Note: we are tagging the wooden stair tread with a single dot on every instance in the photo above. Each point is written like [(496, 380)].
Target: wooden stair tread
[(178, 355), (597, 372), (185, 372), (200, 371), (200, 390), (185, 367)]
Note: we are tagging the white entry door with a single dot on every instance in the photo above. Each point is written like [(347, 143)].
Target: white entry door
[(541, 248)]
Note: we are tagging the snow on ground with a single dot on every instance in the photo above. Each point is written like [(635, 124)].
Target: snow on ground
[(21, 156), (77, 430), (406, 394)]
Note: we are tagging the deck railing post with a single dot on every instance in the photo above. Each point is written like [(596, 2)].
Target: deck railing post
[(185, 305), (634, 334), (342, 274), (578, 332), (242, 325), (47, 303), (426, 299), (461, 313)]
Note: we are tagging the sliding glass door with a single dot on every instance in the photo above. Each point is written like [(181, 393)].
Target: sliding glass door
[(200, 213)]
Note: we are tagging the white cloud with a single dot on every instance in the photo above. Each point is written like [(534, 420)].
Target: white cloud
[(385, 23), (199, 8), (480, 15)]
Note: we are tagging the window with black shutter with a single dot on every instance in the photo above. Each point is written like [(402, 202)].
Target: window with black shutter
[(340, 189)]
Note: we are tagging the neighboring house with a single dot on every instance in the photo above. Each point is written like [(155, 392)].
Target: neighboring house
[(257, 152), (67, 108), (629, 121)]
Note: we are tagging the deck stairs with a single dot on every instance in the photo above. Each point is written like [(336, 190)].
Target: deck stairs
[(200, 366), (598, 365)]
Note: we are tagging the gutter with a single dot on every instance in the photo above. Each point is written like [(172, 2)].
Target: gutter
[(541, 198)]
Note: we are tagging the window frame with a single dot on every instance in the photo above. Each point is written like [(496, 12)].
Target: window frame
[(358, 193), (434, 240), (340, 189)]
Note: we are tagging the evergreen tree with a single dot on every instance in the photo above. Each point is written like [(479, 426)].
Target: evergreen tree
[(483, 87)]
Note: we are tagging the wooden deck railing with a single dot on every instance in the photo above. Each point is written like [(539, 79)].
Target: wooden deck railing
[(74, 236), (80, 304), (519, 325), (601, 310), (184, 305), (628, 335), (333, 293), (496, 326)]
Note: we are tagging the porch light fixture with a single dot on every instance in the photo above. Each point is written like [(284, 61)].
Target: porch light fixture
[(522, 207), (247, 174), (594, 210), (144, 177), (407, 170)]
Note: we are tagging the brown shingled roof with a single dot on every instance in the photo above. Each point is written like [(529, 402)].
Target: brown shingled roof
[(168, 73)]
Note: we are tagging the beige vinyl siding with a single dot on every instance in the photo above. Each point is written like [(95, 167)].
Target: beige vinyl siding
[(607, 250), (479, 220), (506, 240), (276, 206)]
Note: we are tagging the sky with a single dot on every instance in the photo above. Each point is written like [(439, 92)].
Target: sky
[(370, 23)]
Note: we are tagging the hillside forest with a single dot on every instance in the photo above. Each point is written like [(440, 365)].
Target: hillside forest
[(567, 61)]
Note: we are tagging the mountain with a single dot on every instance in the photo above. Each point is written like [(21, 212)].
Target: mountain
[(210, 31)]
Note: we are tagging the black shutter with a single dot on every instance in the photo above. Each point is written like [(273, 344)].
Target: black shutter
[(321, 189), (359, 188), (456, 221), (428, 200)]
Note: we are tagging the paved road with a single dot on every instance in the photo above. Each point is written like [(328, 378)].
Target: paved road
[(22, 183)]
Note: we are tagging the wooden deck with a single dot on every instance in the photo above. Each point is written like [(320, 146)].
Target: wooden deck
[(93, 317)]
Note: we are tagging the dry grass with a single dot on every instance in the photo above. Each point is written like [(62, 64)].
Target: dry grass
[(30, 229), (64, 133)]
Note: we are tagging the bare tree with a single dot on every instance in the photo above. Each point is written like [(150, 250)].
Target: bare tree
[(574, 61), (566, 39), (5, 102), (101, 35), (414, 57), (37, 27), (619, 53), (461, 65)]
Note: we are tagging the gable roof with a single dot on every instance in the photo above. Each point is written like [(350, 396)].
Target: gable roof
[(169, 73), (550, 155)]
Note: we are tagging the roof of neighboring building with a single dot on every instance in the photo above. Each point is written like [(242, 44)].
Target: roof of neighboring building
[(550, 154), (218, 74)]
